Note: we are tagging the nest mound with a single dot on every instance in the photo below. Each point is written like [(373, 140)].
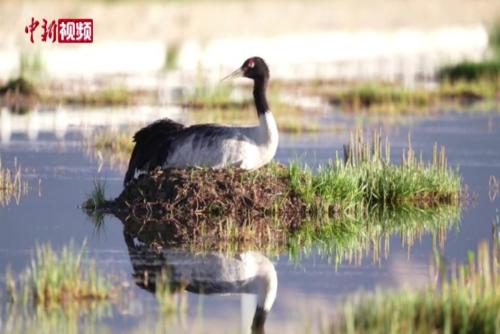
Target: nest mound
[(212, 203)]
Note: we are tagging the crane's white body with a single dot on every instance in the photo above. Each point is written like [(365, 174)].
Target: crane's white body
[(246, 147)]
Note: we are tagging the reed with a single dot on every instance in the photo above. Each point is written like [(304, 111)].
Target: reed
[(97, 196)]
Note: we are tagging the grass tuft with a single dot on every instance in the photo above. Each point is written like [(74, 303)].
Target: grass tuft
[(97, 197), (365, 177), (54, 278), (466, 302)]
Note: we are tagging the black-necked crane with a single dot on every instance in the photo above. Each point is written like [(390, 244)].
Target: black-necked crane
[(169, 144)]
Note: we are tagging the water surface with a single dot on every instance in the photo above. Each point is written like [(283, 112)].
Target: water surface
[(61, 173)]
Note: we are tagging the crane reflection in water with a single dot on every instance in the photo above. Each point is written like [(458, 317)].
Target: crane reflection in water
[(209, 272)]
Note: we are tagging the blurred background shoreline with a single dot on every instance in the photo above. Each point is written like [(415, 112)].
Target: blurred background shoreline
[(390, 40)]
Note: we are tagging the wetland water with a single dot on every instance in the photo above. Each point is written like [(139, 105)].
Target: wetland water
[(310, 284)]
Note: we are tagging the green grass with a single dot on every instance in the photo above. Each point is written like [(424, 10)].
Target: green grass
[(213, 97), (466, 302), (484, 73), (94, 204), (473, 71), (58, 278), (388, 98), (113, 95), (97, 196), (461, 84), (366, 178), (12, 185)]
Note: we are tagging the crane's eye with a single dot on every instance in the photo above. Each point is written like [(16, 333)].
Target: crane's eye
[(251, 64)]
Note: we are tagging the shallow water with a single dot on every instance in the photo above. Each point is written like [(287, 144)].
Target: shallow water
[(60, 174)]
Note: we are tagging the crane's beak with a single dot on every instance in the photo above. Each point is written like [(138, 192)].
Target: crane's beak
[(236, 74)]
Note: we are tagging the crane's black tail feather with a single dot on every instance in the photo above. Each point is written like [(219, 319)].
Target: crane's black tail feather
[(150, 146)]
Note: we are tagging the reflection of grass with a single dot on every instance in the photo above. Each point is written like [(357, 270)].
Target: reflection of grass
[(114, 147), (53, 278), (467, 302), (368, 233), (344, 238), (68, 318), (12, 186), (164, 295)]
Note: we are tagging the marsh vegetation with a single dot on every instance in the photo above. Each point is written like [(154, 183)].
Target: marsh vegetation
[(465, 300), (12, 184), (58, 278)]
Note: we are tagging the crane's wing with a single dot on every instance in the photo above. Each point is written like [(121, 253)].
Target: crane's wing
[(149, 150)]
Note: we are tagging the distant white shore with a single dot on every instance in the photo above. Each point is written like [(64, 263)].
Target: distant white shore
[(403, 54)]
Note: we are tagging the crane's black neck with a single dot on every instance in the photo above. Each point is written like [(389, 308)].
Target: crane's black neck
[(259, 95)]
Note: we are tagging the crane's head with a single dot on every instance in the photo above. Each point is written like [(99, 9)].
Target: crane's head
[(254, 68)]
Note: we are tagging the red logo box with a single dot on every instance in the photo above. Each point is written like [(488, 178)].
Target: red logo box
[(75, 30)]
